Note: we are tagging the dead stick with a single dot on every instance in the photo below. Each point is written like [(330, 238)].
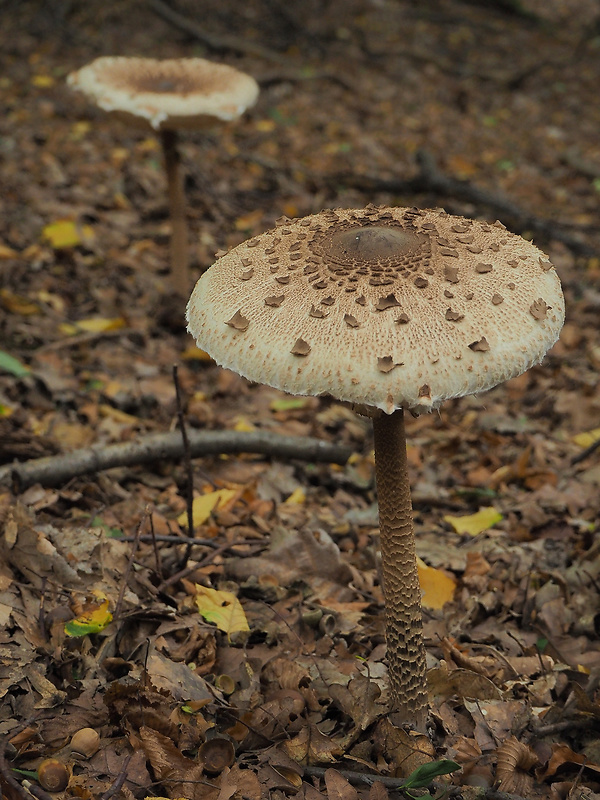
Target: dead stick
[(56, 470), (430, 180), (585, 453), (189, 472), (219, 43), (118, 782)]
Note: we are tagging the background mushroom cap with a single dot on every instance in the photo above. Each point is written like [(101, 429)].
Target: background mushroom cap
[(170, 93), (384, 307)]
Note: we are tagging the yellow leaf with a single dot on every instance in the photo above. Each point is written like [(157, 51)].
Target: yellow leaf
[(68, 329), (80, 129), (55, 301), (221, 608), (297, 497), (475, 523), (588, 438), (95, 617), (149, 145), (288, 403), (100, 324), (42, 81), (265, 125), (194, 353), (290, 210), (7, 252), (438, 588), (203, 506), (17, 304), (249, 221), (64, 233), (243, 425), (117, 415)]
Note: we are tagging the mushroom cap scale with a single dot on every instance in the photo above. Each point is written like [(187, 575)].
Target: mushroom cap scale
[(382, 307), (170, 93)]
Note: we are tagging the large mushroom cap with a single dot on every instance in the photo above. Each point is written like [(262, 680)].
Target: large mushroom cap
[(173, 93), (383, 307)]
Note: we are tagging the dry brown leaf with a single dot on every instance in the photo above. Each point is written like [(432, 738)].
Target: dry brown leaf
[(404, 751), (378, 791), (239, 783), (513, 760), (296, 555), (311, 746), (563, 754), (338, 788), (358, 700), (444, 683)]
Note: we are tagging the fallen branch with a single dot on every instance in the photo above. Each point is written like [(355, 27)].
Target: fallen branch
[(217, 43), (55, 470), (235, 44), (430, 179)]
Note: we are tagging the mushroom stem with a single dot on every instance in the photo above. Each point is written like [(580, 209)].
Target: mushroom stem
[(177, 206), (401, 590)]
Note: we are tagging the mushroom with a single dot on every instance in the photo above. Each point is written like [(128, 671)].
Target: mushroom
[(411, 319), (168, 95)]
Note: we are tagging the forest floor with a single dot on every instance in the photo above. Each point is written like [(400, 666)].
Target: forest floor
[(111, 617)]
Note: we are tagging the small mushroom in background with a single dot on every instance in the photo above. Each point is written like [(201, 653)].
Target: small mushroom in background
[(417, 307), (167, 96)]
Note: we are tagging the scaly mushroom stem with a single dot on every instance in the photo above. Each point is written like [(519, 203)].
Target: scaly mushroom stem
[(401, 591), (177, 206)]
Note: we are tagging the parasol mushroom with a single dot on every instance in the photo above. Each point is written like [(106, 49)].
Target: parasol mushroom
[(387, 309), (166, 96)]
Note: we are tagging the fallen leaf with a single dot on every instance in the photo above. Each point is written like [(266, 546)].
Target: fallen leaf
[(12, 365), (587, 438), (437, 587), (66, 233), (42, 81), (194, 353), (203, 505), (288, 403), (297, 497), (94, 619), (221, 608), (17, 304), (101, 324), (338, 788), (474, 524), (7, 252)]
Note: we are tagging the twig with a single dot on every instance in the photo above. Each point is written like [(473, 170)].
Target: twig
[(6, 772), (83, 338), (356, 778), (585, 453), (157, 562), (369, 778), (56, 470), (237, 45), (117, 784), (187, 460), (218, 43), (174, 539), (125, 577), (430, 179), (193, 567)]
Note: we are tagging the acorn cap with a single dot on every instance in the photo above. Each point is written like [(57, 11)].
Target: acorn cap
[(381, 307), (171, 93)]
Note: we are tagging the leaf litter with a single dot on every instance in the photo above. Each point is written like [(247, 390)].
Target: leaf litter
[(292, 702)]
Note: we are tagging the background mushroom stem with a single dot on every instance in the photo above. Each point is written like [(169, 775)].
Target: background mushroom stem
[(177, 211), (401, 590)]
